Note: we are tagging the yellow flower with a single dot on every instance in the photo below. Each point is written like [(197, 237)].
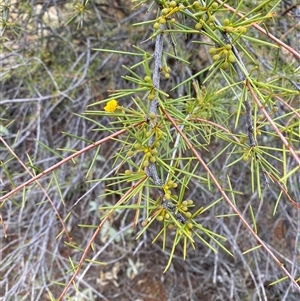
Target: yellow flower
[(111, 106)]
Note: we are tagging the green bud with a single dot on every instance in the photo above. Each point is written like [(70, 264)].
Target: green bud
[(190, 225), (165, 11), (130, 153), (216, 57), (147, 79), (154, 151), (226, 22), (128, 172), (231, 58), (151, 96), (224, 65), (160, 218), (173, 4), (228, 47), (167, 196), (211, 19), (162, 20), (156, 25), (188, 214), (212, 50), (198, 26), (184, 203), (152, 159)]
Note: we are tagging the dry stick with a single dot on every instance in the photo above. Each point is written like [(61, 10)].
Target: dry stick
[(228, 200), (88, 247), (259, 28), (3, 198), (39, 184)]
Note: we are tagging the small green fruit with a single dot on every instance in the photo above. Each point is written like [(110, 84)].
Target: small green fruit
[(160, 218), (214, 5), (130, 153), (198, 26), (152, 116), (229, 29), (173, 4), (226, 22), (196, 4), (188, 214), (167, 196), (190, 225), (228, 47), (231, 58), (224, 65), (165, 11), (151, 96), (184, 203), (157, 144), (152, 159), (137, 146), (211, 19), (154, 151), (156, 25), (212, 50), (162, 20), (216, 57), (147, 79)]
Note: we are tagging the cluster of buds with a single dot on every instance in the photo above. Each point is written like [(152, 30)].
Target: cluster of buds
[(150, 153), (180, 212), (166, 13), (209, 11), (223, 53), (228, 27)]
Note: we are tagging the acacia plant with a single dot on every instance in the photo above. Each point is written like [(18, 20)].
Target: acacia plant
[(194, 136)]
